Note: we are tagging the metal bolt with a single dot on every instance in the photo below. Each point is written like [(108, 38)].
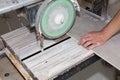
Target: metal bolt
[(7, 74)]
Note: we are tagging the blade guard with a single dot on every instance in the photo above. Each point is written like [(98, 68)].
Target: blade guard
[(41, 12)]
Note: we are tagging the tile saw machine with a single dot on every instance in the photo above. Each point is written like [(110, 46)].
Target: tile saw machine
[(54, 51)]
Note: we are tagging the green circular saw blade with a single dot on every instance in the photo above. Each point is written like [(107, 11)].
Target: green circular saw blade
[(57, 18)]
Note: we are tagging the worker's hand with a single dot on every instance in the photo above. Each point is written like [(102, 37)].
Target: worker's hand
[(93, 39)]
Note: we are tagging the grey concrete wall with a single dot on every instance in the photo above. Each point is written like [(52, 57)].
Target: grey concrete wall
[(8, 22)]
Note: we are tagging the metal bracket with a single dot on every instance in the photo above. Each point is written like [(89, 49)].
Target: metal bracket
[(76, 5)]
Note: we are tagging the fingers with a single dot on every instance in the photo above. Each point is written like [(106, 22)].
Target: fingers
[(92, 46), (84, 39), (92, 39), (89, 43)]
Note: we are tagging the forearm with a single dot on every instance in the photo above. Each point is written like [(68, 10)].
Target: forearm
[(113, 26)]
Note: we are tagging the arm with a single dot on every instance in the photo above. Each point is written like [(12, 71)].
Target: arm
[(94, 39), (113, 26)]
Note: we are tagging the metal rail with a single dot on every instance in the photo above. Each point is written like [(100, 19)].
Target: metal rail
[(10, 5)]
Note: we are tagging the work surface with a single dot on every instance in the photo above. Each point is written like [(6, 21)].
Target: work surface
[(110, 51), (57, 57)]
